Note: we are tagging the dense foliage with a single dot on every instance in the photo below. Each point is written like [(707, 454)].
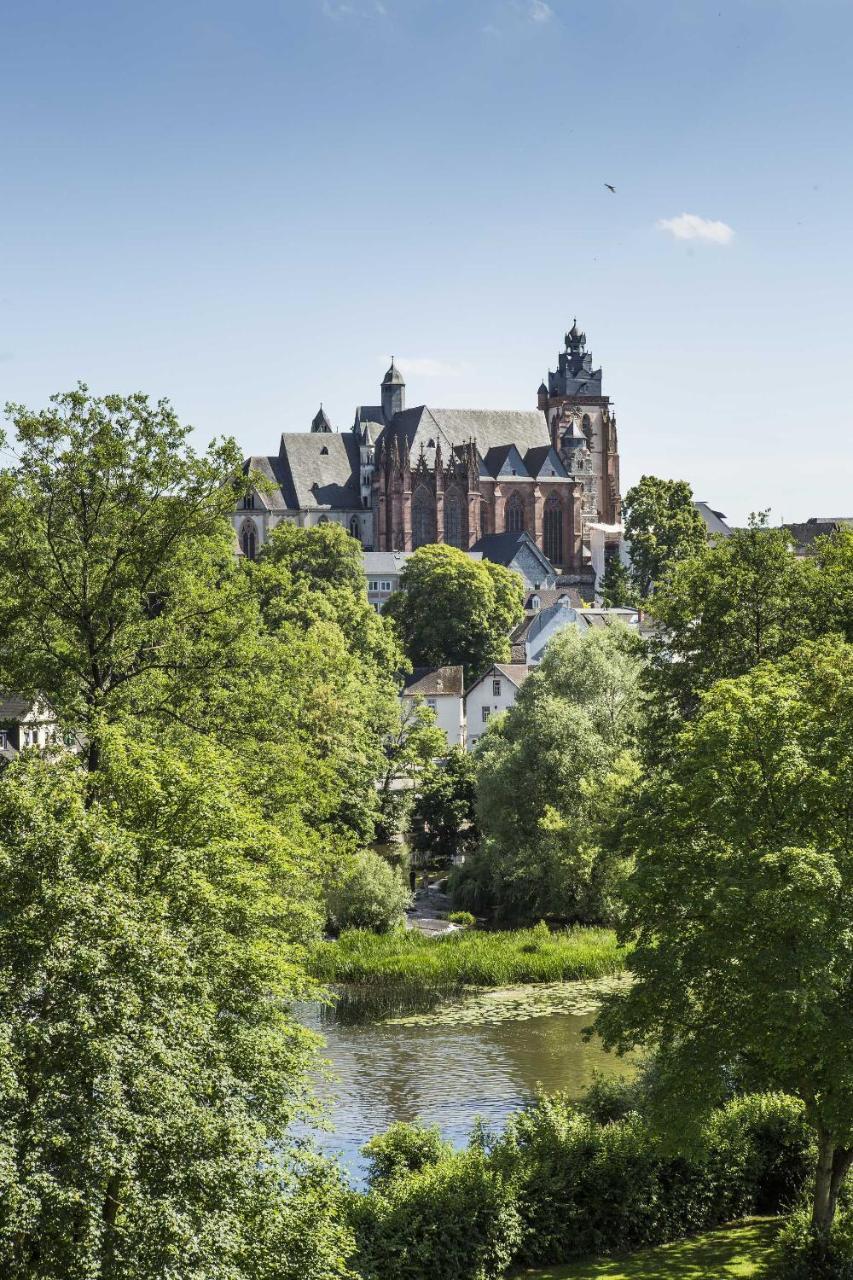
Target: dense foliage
[(452, 610), (548, 847), (159, 890), (444, 818), (558, 1185), (368, 893), (662, 527), (741, 904)]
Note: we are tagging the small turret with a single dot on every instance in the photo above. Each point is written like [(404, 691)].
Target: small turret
[(542, 396), (393, 392), (321, 421)]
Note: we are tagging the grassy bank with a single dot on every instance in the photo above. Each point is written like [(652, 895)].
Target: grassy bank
[(467, 958), (730, 1252)]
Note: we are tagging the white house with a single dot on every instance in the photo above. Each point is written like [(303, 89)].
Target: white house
[(494, 692), (549, 621), (441, 690), (24, 723)]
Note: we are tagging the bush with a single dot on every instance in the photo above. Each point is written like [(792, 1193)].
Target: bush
[(558, 1185), (404, 1148), (464, 918), (454, 1219), (370, 895), (798, 1254)]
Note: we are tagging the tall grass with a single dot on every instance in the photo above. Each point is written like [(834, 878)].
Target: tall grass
[(443, 965)]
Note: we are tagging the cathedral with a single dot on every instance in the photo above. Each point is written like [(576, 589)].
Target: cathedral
[(404, 477)]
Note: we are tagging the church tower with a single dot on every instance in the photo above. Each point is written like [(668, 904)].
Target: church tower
[(393, 393), (578, 412)]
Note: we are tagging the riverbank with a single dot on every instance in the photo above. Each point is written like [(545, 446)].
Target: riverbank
[(735, 1251), (467, 958)]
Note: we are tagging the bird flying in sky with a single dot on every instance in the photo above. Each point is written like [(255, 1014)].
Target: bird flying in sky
[(609, 188)]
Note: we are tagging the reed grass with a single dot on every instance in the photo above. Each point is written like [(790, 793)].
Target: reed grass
[(436, 966)]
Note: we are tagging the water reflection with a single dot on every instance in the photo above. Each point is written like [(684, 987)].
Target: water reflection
[(448, 1074)]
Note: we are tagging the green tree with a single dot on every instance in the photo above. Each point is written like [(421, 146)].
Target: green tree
[(741, 905), (445, 819), (549, 781), (616, 590), (410, 748), (737, 603), (116, 595), (662, 527), (367, 894), (171, 877), (149, 1070), (452, 610)]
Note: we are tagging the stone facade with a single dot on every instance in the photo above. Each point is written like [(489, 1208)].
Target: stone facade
[(402, 478)]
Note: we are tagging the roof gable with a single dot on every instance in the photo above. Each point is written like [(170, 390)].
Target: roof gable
[(320, 469), (544, 463)]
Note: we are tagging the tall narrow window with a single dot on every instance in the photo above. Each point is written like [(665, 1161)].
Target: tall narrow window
[(453, 520), (249, 539), (553, 530), (423, 517), (355, 527), (514, 514)]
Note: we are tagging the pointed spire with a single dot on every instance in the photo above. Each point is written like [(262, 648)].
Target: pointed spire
[(393, 378), (321, 420)]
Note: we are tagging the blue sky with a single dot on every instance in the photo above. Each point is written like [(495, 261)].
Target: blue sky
[(248, 207)]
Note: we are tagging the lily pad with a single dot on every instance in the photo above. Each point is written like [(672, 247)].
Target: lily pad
[(489, 1006)]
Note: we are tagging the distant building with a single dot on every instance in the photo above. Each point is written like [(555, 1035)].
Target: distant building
[(382, 572), (804, 535), (402, 478), (442, 691), (26, 723), (715, 521), (494, 692), (518, 551), (556, 617)]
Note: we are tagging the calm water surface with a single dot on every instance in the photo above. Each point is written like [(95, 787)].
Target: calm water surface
[(447, 1074)]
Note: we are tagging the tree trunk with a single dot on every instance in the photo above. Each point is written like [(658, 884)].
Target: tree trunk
[(822, 1209), (841, 1162), (109, 1214)]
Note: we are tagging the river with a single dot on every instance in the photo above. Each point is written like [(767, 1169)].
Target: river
[(483, 1055)]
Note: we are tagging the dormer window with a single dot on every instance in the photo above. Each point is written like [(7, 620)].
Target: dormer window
[(324, 449), (535, 603)]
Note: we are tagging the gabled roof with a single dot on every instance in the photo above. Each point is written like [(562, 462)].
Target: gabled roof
[(515, 672), (505, 460), (488, 428), (271, 470), (502, 548), (434, 683), (715, 521), (544, 462), (319, 469)]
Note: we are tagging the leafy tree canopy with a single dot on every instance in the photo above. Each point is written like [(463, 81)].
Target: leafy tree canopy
[(453, 610), (741, 904), (570, 736), (445, 820), (662, 526)]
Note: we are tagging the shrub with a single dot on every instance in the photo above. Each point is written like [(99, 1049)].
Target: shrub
[(798, 1254), (454, 1219), (404, 1148), (464, 918), (369, 895)]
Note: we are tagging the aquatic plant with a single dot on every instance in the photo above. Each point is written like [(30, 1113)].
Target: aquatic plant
[(466, 958)]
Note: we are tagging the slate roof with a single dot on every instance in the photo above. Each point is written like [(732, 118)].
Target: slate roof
[(502, 548), (488, 428), (428, 683), (319, 470), (542, 460), (803, 535), (715, 521), (14, 707)]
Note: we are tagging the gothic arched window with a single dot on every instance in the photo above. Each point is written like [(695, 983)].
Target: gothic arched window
[(453, 512), (552, 528), (514, 514), (249, 539), (587, 426), (355, 527), (423, 517)]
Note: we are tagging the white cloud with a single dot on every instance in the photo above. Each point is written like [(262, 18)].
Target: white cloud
[(424, 366), (539, 11), (689, 226), (336, 9)]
